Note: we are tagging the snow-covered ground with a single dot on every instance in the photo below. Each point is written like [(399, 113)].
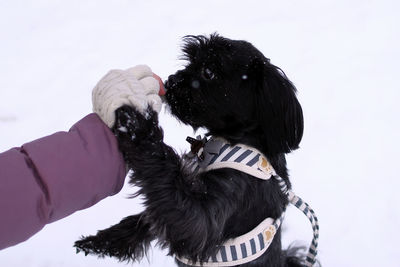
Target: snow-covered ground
[(342, 56)]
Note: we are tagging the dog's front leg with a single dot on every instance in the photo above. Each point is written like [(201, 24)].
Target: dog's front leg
[(187, 212), (127, 240)]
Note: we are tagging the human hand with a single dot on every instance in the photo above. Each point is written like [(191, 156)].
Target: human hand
[(137, 87)]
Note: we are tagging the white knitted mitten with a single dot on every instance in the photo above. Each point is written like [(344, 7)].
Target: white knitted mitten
[(135, 87)]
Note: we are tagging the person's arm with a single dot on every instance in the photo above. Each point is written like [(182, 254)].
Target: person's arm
[(52, 177)]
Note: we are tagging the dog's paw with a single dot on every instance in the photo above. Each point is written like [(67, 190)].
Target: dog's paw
[(126, 123), (128, 240), (135, 127)]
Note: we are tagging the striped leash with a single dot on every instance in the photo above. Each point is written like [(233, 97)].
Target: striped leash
[(309, 212)]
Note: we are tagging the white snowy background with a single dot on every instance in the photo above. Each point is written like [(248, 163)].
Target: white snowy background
[(342, 56)]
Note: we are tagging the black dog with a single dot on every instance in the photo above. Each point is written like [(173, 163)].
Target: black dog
[(232, 90)]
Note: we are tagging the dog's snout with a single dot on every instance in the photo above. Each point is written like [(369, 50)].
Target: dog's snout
[(172, 80)]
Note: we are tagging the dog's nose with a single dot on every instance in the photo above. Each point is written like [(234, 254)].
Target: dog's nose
[(171, 81)]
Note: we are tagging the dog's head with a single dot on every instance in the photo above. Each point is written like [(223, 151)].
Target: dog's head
[(231, 89)]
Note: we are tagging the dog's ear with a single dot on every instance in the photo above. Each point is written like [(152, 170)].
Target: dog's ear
[(279, 112)]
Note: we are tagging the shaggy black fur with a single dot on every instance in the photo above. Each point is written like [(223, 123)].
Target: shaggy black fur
[(232, 90)]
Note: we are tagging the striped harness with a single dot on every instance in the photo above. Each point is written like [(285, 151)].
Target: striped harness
[(217, 153)]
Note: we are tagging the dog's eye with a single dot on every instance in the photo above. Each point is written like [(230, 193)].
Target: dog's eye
[(207, 74)]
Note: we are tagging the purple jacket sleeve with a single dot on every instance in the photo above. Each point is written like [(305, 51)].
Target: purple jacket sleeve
[(52, 177)]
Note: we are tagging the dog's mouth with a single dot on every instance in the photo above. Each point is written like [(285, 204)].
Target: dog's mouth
[(167, 92), (166, 89), (173, 92)]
